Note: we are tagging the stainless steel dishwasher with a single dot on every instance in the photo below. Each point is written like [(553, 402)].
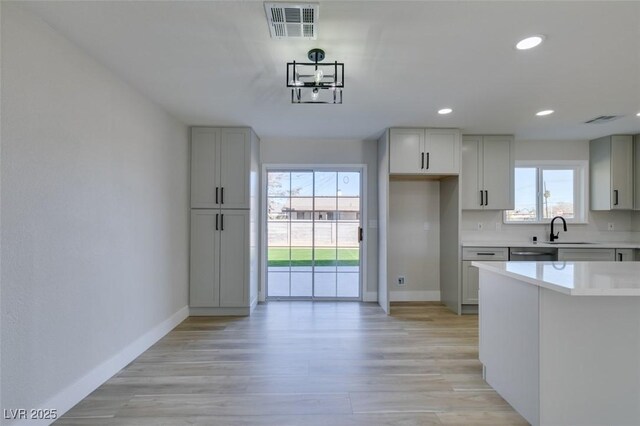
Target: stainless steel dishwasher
[(532, 254)]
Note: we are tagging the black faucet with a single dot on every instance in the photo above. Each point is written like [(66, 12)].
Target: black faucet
[(553, 236)]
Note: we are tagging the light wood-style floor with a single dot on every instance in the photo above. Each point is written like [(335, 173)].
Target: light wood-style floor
[(305, 363)]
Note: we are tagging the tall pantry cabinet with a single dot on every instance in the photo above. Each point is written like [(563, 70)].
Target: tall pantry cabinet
[(224, 221)]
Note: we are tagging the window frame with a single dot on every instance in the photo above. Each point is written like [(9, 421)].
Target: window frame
[(580, 189)]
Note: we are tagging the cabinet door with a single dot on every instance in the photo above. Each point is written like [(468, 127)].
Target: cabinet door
[(636, 172), (406, 149), (205, 176), (587, 254), (622, 172), (471, 172), (470, 284), (625, 255), (204, 260), (234, 258), (498, 172), (235, 162), (442, 151)]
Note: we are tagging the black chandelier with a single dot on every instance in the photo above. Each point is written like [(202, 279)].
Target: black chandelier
[(315, 83)]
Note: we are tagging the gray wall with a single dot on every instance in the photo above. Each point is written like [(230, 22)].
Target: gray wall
[(1, 403), (414, 240), (94, 214), (332, 151)]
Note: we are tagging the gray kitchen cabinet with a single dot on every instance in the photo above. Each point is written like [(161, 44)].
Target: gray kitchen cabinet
[(591, 254), (611, 173), (220, 161), (224, 221), (424, 151), (625, 255), (470, 283), (219, 258), (487, 172)]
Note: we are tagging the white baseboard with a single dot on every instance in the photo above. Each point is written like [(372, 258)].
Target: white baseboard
[(220, 312), (415, 296), (370, 296), (74, 393)]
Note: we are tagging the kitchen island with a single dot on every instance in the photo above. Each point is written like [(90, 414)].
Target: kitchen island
[(560, 341)]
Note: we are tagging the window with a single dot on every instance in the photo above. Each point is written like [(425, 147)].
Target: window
[(549, 189)]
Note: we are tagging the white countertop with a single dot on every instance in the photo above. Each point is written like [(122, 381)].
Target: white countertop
[(595, 244), (573, 278)]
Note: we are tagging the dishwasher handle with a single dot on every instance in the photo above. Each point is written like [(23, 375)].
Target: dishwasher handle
[(531, 253)]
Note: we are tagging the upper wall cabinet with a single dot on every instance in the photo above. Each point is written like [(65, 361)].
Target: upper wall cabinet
[(424, 151), (220, 163), (611, 173), (487, 172)]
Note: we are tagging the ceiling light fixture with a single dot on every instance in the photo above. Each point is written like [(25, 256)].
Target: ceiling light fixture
[(544, 112), (445, 111), (529, 42), (315, 83), (638, 114)]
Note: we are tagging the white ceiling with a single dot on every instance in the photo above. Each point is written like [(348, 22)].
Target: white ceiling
[(213, 63)]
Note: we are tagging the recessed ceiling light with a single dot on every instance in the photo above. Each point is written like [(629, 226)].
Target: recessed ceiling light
[(529, 42), (545, 112), (638, 114), (444, 111)]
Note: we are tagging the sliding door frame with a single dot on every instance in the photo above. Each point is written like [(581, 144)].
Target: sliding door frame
[(362, 168)]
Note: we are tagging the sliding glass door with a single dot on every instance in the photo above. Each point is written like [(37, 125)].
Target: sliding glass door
[(313, 234)]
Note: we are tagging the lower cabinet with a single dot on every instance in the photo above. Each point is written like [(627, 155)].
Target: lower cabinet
[(625, 255), (470, 273), (219, 261), (592, 254), (608, 255)]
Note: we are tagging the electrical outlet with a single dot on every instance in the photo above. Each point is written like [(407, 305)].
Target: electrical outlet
[(401, 280), (479, 226), (610, 226)]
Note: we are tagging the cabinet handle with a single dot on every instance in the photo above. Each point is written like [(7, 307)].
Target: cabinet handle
[(427, 161), (620, 257), (217, 195), (222, 195), (217, 221), (485, 254), (486, 197), (615, 194), (481, 197), (222, 222), (422, 162), (360, 233)]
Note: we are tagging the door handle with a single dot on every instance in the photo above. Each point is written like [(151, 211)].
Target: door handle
[(217, 221), (486, 197), (481, 197), (217, 195), (222, 222), (427, 161), (222, 195), (422, 162), (615, 194), (360, 233), (620, 257)]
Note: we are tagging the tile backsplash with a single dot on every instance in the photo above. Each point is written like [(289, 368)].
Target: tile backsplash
[(626, 228)]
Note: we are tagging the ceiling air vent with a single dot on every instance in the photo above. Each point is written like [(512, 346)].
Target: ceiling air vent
[(603, 119), (293, 20)]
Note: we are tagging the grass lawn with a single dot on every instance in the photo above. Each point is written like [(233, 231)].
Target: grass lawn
[(279, 256)]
